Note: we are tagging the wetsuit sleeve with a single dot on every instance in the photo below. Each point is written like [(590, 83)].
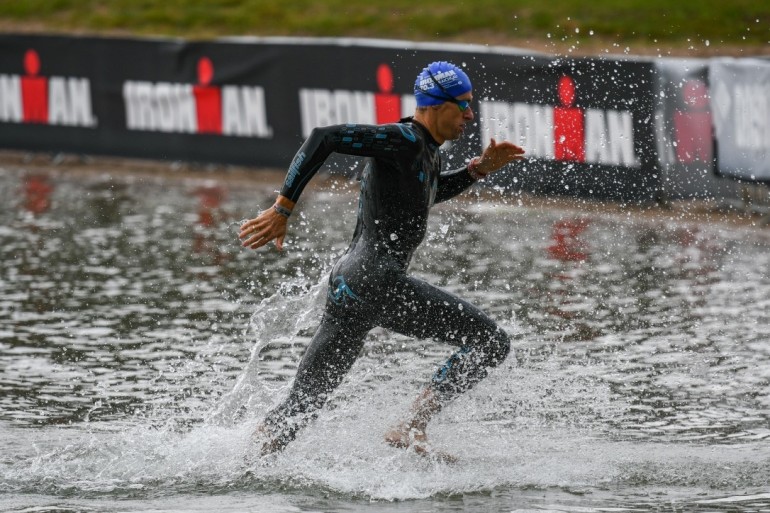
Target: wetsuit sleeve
[(452, 183), (377, 141)]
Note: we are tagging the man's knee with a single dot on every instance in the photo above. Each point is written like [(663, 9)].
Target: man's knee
[(497, 350)]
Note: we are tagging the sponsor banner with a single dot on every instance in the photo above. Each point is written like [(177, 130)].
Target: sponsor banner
[(587, 124), (685, 131), (157, 99), (740, 101)]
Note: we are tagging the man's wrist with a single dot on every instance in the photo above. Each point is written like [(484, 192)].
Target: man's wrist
[(473, 169), (283, 205), (285, 212)]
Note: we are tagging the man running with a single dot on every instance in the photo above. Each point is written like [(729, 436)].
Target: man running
[(369, 286)]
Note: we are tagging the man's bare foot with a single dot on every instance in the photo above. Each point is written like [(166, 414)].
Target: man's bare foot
[(268, 444), (411, 434), (404, 436)]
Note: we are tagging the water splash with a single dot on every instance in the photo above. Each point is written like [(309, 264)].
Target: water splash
[(641, 378), (278, 319)]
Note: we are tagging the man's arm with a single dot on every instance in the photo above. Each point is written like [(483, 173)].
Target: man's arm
[(452, 183), (495, 156), (360, 140)]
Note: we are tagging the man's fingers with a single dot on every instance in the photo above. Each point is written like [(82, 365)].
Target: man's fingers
[(245, 232), (508, 146), (264, 228), (504, 152), (514, 152), (248, 228), (252, 227), (256, 245), (253, 242), (257, 236)]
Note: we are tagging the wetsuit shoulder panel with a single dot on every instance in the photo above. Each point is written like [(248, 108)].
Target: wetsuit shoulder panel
[(395, 141)]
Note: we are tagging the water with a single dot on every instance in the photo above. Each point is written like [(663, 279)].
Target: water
[(139, 346)]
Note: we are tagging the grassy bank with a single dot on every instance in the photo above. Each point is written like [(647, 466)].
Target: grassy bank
[(641, 26)]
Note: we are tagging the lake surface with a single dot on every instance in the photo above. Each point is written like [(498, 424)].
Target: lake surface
[(140, 345)]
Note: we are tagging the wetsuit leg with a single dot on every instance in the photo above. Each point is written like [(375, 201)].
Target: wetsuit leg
[(416, 308), (332, 351)]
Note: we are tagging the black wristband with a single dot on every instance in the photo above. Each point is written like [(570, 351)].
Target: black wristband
[(285, 212), (472, 169)]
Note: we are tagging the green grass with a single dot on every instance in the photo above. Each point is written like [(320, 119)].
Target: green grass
[(744, 23)]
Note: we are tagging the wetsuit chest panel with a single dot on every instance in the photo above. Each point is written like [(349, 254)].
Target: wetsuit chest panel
[(396, 197), (399, 185)]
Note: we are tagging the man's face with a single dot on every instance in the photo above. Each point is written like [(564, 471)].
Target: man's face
[(452, 120)]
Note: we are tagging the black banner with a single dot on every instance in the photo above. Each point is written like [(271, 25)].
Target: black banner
[(587, 124)]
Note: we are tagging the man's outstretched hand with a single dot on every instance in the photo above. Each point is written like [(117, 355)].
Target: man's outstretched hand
[(496, 155), (267, 226)]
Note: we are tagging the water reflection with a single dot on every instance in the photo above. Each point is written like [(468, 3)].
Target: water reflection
[(568, 245), (211, 216), (107, 201), (566, 303), (37, 193)]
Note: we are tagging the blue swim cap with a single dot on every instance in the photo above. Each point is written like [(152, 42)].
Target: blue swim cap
[(452, 82)]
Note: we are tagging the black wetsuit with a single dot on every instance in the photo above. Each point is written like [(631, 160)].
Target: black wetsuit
[(369, 286)]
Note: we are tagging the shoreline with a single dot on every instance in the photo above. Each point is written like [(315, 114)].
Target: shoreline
[(70, 165), (79, 165)]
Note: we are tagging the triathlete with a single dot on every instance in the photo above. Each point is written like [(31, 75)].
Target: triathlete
[(369, 285)]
